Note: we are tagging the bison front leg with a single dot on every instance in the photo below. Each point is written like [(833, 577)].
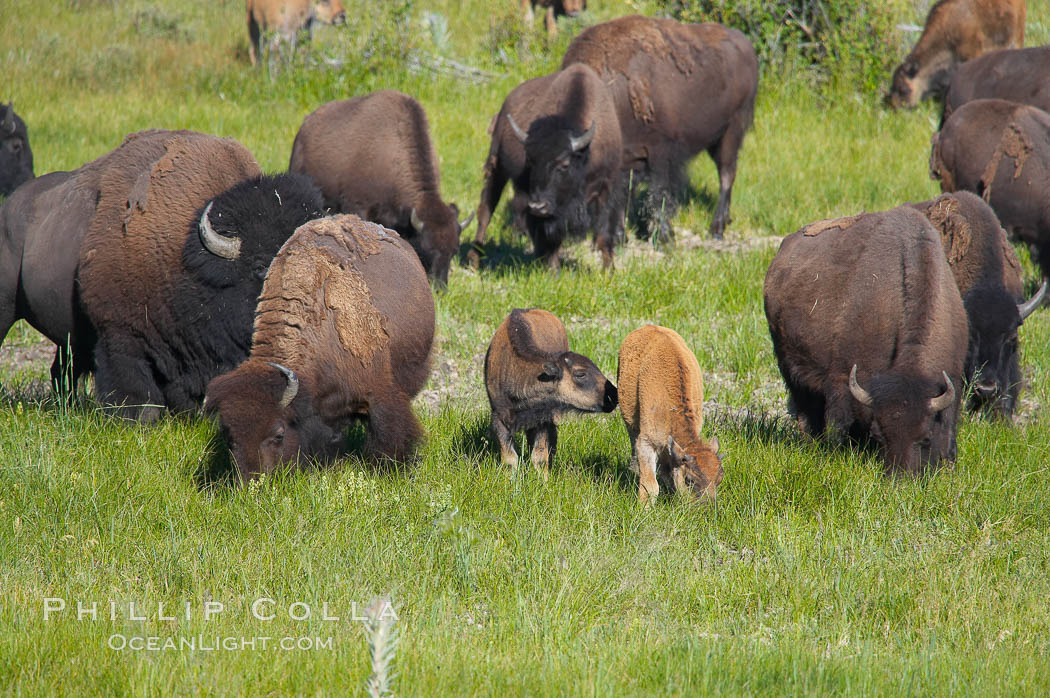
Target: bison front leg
[(491, 190), (126, 383), (543, 441), (724, 153), (550, 21), (648, 486), (393, 429), (506, 443)]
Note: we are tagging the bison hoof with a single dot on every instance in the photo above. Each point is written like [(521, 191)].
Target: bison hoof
[(474, 259)]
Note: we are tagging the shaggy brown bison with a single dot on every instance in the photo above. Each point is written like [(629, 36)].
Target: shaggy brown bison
[(988, 274), (1000, 151), (372, 156), (16, 159), (557, 138), (679, 89), (955, 31), (343, 331), (870, 333), (532, 380), (553, 10), (172, 261), (662, 401), (284, 19), (1017, 75)]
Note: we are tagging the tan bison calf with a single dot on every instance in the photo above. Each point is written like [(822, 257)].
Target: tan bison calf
[(533, 379), (285, 19), (661, 399)]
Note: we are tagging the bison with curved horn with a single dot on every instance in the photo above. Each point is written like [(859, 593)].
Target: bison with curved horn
[(870, 334), (343, 331)]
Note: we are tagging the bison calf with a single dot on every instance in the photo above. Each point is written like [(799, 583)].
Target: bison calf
[(870, 333), (285, 19), (533, 379), (16, 159), (343, 331), (372, 156), (661, 398)]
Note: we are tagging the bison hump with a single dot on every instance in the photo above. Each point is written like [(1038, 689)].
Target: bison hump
[(814, 229)]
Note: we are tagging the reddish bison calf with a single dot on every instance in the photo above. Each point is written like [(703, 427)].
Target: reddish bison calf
[(533, 379), (285, 19), (662, 398), (955, 31), (343, 331), (372, 156)]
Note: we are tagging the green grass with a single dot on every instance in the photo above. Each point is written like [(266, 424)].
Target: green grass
[(814, 574)]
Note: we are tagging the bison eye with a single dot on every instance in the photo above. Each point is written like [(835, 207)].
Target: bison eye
[(579, 374), (15, 146)]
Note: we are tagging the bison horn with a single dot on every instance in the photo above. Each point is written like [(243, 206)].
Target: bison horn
[(583, 141), (517, 129), (1027, 308), (417, 223), (862, 395), (466, 222), (944, 399), (9, 119), (219, 245), (293, 384)]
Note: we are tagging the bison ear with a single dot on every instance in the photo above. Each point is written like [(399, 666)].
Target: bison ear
[(551, 372), (911, 68)]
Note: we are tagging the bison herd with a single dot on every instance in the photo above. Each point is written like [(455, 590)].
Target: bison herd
[(290, 305)]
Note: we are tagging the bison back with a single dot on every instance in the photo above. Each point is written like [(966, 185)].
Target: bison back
[(1017, 75), (659, 380)]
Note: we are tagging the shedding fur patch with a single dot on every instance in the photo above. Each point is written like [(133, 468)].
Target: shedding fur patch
[(814, 229), (956, 236), (1015, 144)]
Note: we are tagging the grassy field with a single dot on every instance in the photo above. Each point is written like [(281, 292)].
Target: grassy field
[(814, 574)]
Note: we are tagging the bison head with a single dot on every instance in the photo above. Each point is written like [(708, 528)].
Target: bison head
[(265, 418), (992, 360), (912, 418), (16, 159), (329, 12), (572, 381), (437, 229), (573, 7), (557, 157), (904, 89), (697, 467)]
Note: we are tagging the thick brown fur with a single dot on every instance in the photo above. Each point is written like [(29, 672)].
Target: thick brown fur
[(988, 274), (661, 393), (552, 10), (877, 294), (679, 89), (587, 193), (532, 379), (346, 306), (286, 18), (1018, 75), (955, 31), (372, 156), (1000, 151)]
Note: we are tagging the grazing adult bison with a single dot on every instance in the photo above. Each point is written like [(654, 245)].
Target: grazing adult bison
[(955, 31), (662, 401), (1000, 151), (557, 138), (372, 156), (173, 260), (284, 19), (532, 380), (1018, 75), (988, 274), (552, 10), (679, 89), (343, 331), (870, 333), (16, 159)]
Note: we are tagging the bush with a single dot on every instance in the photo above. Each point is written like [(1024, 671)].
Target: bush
[(855, 41)]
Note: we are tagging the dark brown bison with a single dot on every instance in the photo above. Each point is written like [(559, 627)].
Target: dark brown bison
[(557, 139), (172, 261), (1018, 75), (955, 31), (532, 380), (16, 159), (870, 333), (284, 19), (1000, 151), (679, 89), (343, 331), (553, 10), (661, 394), (988, 274), (372, 156)]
